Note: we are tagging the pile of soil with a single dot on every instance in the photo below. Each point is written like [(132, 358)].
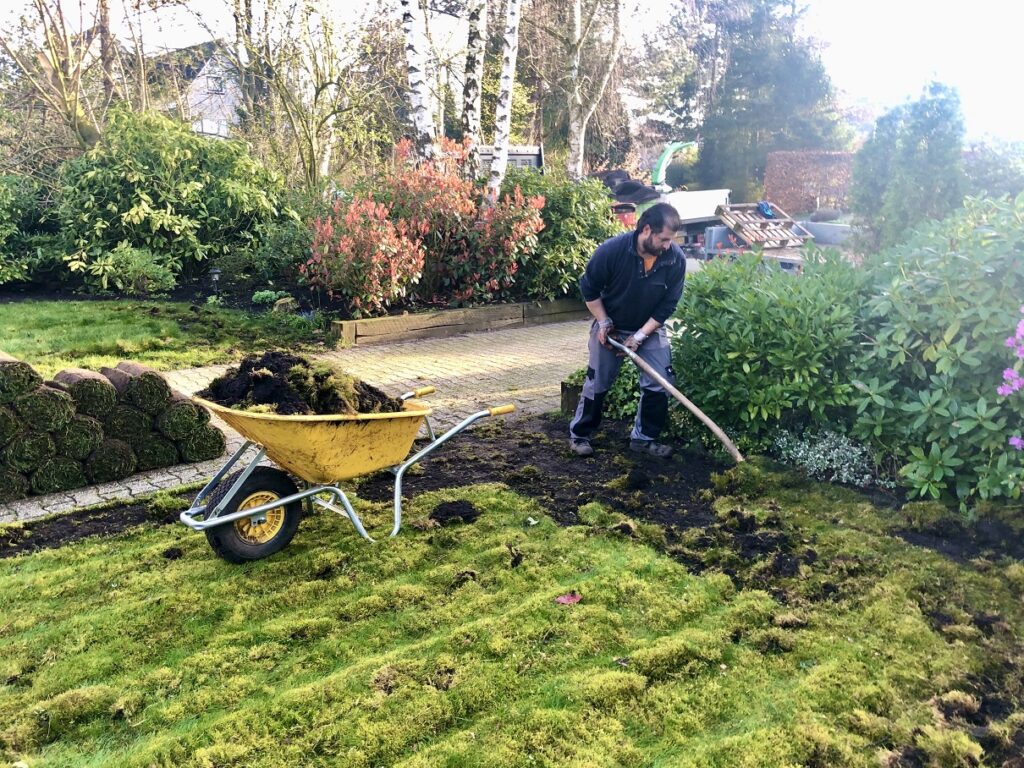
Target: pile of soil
[(285, 384)]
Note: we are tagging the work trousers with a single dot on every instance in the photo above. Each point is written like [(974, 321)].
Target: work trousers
[(602, 370)]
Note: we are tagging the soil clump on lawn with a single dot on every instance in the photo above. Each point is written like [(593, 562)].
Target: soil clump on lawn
[(286, 384)]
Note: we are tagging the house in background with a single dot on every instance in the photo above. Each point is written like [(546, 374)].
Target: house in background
[(212, 98)]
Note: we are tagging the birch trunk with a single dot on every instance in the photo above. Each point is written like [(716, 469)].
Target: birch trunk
[(503, 111), (473, 89), (419, 89), (582, 105)]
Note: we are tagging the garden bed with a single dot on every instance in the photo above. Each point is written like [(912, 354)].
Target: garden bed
[(452, 322)]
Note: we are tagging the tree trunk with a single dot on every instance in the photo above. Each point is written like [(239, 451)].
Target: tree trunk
[(582, 105), (106, 50), (473, 89), (503, 110), (419, 89)]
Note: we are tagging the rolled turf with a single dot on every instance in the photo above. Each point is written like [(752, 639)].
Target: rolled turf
[(58, 474), (16, 378), (45, 408), (8, 425), (204, 444), (154, 452), (79, 437), (181, 417), (112, 460), (13, 485), (28, 450), (126, 422), (92, 392), (146, 389)]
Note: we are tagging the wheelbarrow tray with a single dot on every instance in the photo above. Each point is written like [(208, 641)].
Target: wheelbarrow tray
[(324, 449)]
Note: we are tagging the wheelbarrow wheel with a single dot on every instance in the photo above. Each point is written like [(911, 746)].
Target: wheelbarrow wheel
[(251, 538)]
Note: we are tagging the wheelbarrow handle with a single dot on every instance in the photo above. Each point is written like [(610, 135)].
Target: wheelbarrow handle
[(500, 410), (419, 392)]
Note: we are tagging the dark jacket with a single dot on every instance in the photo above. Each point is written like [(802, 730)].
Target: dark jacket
[(615, 274)]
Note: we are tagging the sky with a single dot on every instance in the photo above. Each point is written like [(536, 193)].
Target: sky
[(879, 53), (886, 51)]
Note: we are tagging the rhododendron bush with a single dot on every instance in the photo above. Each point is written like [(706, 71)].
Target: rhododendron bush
[(423, 232)]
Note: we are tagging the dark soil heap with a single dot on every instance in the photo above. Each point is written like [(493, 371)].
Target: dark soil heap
[(285, 384)]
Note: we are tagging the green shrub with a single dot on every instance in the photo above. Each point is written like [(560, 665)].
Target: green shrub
[(763, 349), (281, 245), (577, 218), (21, 217), (153, 183), (132, 271), (939, 318), (268, 297)]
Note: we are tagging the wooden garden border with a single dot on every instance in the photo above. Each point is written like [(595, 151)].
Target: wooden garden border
[(451, 322)]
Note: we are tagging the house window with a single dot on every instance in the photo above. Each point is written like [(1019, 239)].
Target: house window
[(214, 84)]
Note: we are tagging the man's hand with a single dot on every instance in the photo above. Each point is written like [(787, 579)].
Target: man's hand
[(604, 328), (633, 342)]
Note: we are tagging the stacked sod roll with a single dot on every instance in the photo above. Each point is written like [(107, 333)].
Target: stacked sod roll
[(92, 427)]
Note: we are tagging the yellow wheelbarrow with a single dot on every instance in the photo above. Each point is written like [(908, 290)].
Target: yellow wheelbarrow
[(255, 511)]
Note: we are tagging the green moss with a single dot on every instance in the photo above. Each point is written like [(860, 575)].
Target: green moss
[(688, 652), (920, 515), (1014, 573), (744, 480), (430, 650), (606, 690), (948, 747), (596, 514)]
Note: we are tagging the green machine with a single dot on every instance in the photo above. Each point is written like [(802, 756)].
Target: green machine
[(660, 167)]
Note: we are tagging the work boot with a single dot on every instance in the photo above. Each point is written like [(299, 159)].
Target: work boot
[(581, 447), (660, 450)]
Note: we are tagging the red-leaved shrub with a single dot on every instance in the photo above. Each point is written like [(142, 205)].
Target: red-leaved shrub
[(473, 247), (362, 255), (423, 225)]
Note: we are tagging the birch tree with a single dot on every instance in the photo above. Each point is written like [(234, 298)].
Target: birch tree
[(584, 96), (420, 97), (473, 88), (503, 113)]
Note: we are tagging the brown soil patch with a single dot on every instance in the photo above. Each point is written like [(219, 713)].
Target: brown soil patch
[(56, 531)]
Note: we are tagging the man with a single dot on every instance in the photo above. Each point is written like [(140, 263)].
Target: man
[(631, 285)]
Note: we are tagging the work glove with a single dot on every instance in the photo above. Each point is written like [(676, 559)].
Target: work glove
[(633, 342), (604, 328)]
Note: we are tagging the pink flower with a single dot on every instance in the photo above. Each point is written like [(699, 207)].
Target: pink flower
[(1017, 442), (1004, 390)]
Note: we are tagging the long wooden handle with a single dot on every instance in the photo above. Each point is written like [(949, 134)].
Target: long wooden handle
[(715, 429)]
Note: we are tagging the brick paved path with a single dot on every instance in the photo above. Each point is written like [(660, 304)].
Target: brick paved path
[(519, 365)]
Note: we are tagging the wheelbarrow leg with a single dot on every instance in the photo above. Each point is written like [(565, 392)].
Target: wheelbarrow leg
[(199, 506), (400, 471), (347, 510)]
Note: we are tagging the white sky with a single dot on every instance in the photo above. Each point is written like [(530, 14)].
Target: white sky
[(886, 51), (880, 52)]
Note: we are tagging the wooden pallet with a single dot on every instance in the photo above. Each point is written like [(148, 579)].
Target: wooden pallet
[(751, 225)]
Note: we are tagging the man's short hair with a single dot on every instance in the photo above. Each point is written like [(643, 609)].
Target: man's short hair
[(657, 217)]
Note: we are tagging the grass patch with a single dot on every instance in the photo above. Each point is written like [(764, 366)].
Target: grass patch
[(52, 335), (445, 647)]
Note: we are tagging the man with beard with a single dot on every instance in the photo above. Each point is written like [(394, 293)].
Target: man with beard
[(631, 286)]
